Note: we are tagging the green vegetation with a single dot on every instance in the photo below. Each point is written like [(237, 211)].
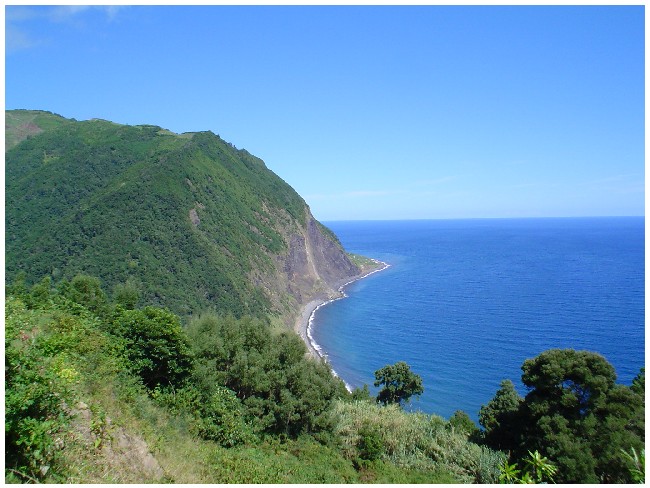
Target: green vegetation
[(156, 347), (144, 340), (187, 220), (399, 384), (286, 394), (20, 124), (362, 262), (100, 393), (426, 443), (537, 469), (636, 463), (574, 413)]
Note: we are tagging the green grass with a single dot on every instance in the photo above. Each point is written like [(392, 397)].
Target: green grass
[(415, 441), (20, 124), (362, 261)]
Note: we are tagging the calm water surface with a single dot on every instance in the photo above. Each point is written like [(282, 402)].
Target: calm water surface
[(465, 302)]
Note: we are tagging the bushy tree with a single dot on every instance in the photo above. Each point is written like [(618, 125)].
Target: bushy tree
[(569, 409), (40, 292), (127, 294), (399, 383), (85, 290), (282, 390), (571, 383), (222, 419), (461, 422), (638, 383), (361, 394), (155, 345), (370, 446), (574, 413)]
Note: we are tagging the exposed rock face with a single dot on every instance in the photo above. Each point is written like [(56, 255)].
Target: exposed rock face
[(329, 260), (315, 263), (314, 266)]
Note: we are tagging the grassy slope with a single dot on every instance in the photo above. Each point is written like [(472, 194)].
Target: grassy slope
[(103, 426), (116, 201), (20, 124)]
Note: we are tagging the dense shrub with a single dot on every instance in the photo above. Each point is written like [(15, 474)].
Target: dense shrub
[(370, 445), (34, 389), (155, 345), (282, 390), (42, 347), (85, 290), (222, 419), (127, 294)]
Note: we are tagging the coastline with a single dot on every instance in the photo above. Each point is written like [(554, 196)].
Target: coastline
[(304, 321)]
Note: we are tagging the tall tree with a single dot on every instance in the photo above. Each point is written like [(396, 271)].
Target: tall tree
[(156, 345), (502, 410)]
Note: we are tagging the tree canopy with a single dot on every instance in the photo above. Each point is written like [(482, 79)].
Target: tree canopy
[(286, 392), (399, 383), (117, 201), (574, 413)]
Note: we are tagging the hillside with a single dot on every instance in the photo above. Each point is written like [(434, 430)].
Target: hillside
[(189, 219), (20, 124), (99, 393), (146, 275)]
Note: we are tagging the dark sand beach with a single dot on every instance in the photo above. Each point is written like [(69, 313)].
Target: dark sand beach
[(302, 324)]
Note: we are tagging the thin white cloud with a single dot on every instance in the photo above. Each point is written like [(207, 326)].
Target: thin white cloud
[(350, 194), (19, 36), (17, 39), (65, 13)]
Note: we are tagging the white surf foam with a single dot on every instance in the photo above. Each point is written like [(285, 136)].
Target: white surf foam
[(314, 344)]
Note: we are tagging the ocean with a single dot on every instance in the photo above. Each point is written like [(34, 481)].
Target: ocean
[(465, 302)]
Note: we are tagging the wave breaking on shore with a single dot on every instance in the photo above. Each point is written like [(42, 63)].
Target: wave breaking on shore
[(310, 322)]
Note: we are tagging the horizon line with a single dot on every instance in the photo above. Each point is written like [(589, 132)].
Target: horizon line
[(486, 218)]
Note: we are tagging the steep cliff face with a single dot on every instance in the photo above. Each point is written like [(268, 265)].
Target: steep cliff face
[(315, 265), (195, 222)]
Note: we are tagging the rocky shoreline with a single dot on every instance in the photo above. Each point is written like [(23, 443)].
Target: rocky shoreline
[(302, 323)]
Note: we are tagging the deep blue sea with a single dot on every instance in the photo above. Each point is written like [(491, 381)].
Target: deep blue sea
[(465, 302)]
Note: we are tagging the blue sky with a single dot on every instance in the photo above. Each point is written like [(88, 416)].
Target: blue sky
[(371, 112)]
